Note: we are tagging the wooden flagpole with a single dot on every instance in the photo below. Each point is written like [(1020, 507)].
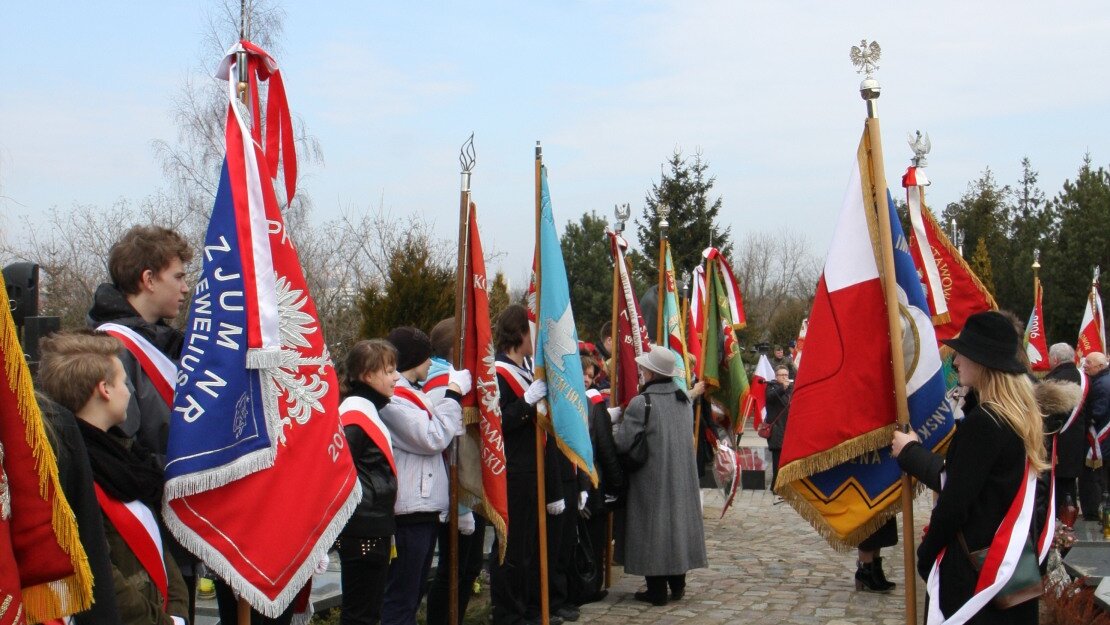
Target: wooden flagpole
[(462, 275), (541, 490), (664, 226), (243, 609), (875, 198), (614, 383)]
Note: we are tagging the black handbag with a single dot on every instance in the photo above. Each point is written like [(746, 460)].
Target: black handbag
[(637, 455)]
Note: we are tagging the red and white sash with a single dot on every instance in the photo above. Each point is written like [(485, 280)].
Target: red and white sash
[(1002, 555), (1078, 407), (594, 396), (141, 535), (363, 413), (156, 365), (518, 379), (439, 380), (414, 396)]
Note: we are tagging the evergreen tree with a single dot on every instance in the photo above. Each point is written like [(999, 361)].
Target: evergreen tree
[(417, 291), (1030, 228), (983, 215), (1083, 241), (693, 219), (980, 263), (498, 296), (589, 273)]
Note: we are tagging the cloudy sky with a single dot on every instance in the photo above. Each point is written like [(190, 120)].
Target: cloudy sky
[(391, 89)]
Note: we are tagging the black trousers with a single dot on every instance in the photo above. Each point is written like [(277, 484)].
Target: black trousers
[(514, 583), (228, 605), (562, 535), (407, 579), (657, 584), (775, 455), (365, 564), (471, 559), (1092, 483)]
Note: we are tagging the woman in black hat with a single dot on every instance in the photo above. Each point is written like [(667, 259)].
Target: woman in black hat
[(985, 467)]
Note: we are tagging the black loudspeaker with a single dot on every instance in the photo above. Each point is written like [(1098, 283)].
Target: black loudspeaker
[(23, 290)]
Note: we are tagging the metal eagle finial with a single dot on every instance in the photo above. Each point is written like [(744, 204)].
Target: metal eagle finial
[(921, 146), (621, 212), (865, 57)]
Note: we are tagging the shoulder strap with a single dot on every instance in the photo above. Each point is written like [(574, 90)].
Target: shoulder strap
[(647, 412), (373, 428), (138, 539), (161, 371)]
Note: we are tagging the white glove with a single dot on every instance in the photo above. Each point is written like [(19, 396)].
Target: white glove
[(610, 498), (322, 564), (536, 391), (466, 523), (614, 414), (461, 379), (582, 497), (556, 507)]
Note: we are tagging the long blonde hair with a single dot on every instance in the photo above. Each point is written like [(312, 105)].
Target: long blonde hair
[(1010, 397)]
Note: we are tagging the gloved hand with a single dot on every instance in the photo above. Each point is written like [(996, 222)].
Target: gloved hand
[(582, 497), (466, 523), (556, 507), (614, 414), (461, 379), (536, 391), (322, 564)]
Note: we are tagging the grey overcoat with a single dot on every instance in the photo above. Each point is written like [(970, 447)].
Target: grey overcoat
[(663, 533)]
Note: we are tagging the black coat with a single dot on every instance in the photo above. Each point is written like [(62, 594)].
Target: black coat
[(609, 473), (1096, 408), (373, 517), (778, 408), (984, 465), (518, 427)]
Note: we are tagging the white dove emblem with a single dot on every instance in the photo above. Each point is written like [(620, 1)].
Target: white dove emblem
[(560, 341)]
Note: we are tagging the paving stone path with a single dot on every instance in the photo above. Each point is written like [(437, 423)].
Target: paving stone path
[(766, 565)]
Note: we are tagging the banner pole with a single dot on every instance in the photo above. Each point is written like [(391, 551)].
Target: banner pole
[(701, 356), (875, 194), (462, 275), (541, 491)]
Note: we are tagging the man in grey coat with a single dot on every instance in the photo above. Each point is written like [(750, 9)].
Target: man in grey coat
[(664, 535)]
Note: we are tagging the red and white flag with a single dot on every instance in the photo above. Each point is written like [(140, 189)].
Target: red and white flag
[(1092, 330), (800, 343), (631, 332), (1036, 344), (953, 291), (756, 406)]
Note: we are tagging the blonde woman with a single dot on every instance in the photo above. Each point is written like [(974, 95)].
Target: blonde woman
[(984, 473)]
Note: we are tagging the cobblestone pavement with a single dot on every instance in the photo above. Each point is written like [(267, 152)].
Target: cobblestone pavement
[(766, 565)]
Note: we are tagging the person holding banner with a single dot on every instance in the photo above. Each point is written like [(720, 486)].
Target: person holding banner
[(420, 430), (364, 544), (83, 373), (988, 482), (664, 535)]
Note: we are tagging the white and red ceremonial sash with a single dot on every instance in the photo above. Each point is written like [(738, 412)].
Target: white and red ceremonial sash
[(921, 246), (415, 397), (156, 365), (594, 396), (694, 329), (518, 378), (1002, 556), (439, 380), (1092, 330), (138, 528), (1083, 385), (799, 344), (362, 413)]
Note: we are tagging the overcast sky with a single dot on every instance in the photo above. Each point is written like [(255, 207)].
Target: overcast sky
[(391, 89)]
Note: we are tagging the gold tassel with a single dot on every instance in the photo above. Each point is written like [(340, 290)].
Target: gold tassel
[(805, 467)]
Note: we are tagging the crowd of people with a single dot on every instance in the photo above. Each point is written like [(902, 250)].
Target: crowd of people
[(109, 425)]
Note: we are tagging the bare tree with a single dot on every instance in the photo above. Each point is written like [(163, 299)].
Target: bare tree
[(777, 276)]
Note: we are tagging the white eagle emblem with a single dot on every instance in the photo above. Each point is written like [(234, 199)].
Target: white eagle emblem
[(560, 341)]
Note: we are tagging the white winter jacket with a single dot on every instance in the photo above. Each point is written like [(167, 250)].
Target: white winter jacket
[(418, 442)]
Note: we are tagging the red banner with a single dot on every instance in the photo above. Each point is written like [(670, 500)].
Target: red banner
[(1092, 330), (1036, 344), (632, 337), (482, 450)]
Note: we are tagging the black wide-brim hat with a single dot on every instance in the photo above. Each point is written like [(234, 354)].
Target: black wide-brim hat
[(989, 339)]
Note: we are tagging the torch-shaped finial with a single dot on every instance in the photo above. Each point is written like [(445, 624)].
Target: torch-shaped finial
[(467, 158)]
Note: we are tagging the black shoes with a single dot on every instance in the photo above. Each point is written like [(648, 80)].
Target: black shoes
[(677, 594), (870, 577), (647, 597), (568, 613)]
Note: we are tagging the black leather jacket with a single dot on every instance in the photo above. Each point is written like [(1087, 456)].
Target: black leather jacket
[(374, 515)]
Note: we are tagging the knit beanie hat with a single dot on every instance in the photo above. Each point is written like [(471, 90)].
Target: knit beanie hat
[(413, 347)]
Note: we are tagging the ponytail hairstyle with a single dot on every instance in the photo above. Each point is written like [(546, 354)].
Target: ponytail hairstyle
[(1010, 397)]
